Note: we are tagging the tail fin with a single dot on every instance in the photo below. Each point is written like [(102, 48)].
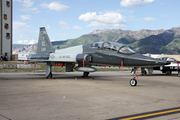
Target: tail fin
[(44, 43)]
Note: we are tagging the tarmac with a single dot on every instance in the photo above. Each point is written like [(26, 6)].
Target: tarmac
[(101, 96)]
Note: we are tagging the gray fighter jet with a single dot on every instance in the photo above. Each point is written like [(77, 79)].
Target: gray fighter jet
[(98, 53)]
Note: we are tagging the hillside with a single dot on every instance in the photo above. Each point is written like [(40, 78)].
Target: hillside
[(115, 35), (167, 42), (17, 48), (143, 41), (24, 48)]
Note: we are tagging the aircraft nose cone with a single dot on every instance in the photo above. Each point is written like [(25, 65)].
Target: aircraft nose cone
[(148, 61)]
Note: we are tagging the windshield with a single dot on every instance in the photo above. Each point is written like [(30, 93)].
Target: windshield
[(168, 59), (96, 45), (126, 50), (120, 48)]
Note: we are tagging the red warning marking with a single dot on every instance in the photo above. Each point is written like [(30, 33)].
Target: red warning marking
[(122, 65), (59, 64), (83, 63), (34, 64), (178, 66), (137, 73)]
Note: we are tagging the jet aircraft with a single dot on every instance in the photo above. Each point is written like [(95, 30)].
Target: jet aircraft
[(97, 53)]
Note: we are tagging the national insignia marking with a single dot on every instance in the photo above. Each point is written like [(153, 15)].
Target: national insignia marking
[(7, 3), (52, 56), (8, 35), (5, 16), (6, 25)]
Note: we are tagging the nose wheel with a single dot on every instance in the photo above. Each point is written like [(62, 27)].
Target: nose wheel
[(133, 82)]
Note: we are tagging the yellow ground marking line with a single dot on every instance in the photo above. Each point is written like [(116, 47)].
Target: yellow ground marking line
[(151, 114)]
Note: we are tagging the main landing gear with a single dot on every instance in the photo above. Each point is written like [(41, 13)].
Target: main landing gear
[(85, 74), (49, 75), (48, 70), (133, 81), (143, 71)]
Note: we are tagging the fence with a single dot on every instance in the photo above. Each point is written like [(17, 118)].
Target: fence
[(18, 66)]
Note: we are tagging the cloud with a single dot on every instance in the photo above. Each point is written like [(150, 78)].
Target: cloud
[(32, 41), (53, 40), (18, 24), (25, 17), (63, 25), (54, 6), (149, 19), (109, 19), (48, 26), (135, 3), (26, 41), (22, 42), (22, 35), (34, 9), (77, 27), (27, 3), (28, 6)]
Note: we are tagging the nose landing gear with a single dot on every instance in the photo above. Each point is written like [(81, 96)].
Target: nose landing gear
[(133, 81)]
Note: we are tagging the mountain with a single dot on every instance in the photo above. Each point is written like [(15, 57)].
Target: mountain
[(142, 41), (24, 48), (115, 35), (167, 42), (17, 48)]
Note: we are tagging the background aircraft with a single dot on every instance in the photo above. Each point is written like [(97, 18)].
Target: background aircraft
[(168, 69), (98, 53)]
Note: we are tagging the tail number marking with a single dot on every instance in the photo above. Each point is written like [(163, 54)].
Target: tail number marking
[(43, 49), (67, 56)]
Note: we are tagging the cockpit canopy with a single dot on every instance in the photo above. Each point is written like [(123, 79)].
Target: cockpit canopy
[(120, 48), (168, 59)]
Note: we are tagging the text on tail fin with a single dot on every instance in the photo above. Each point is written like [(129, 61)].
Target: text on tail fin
[(44, 43)]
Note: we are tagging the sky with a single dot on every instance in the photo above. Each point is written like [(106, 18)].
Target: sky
[(70, 19)]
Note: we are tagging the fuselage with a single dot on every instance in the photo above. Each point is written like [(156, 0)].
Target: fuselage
[(105, 53), (111, 53)]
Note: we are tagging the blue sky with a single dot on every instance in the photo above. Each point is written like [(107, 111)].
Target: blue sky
[(69, 19)]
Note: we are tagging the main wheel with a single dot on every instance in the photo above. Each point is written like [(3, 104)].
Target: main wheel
[(168, 72), (85, 74), (144, 73), (133, 82), (49, 76), (179, 73)]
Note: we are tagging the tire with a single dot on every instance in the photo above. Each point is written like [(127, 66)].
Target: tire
[(85, 74), (133, 82), (49, 76), (179, 73), (168, 72), (163, 71), (144, 73)]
